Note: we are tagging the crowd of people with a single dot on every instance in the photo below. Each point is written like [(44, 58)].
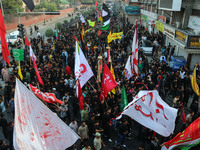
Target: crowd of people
[(96, 124)]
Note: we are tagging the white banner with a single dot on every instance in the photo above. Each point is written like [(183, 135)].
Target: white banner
[(82, 70), (151, 111), (35, 125)]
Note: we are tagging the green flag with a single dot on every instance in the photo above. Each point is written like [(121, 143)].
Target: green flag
[(18, 54), (124, 99), (92, 24)]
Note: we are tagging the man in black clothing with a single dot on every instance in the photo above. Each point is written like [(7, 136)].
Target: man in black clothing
[(90, 124), (10, 134), (3, 124), (3, 146), (123, 131)]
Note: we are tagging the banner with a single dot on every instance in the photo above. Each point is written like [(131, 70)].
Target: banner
[(47, 97), (18, 54), (151, 111), (36, 127)]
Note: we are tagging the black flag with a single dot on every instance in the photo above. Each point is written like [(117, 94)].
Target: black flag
[(29, 4)]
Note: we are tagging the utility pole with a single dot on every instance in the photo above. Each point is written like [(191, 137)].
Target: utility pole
[(18, 15), (2, 8)]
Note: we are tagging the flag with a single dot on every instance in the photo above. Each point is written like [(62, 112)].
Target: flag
[(106, 18), (113, 73), (124, 99), (37, 72), (47, 97), (36, 126), (128, 72), (20, 72), (135, 53), (80, 96), (108, 56), (56, 34), (82, 18), (108, 82), (115, 36), (5, 50), (27, 43), (32, 55), (100, 67), (82, 70), (96, 5), (100, 19), (91, 23), (88, 30), (29, 4), (183, 115), (109, 37), (190, 137), (151, 111), (83, 32), (99, 32), (195, 86)]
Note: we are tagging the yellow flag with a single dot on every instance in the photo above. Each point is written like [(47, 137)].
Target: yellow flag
[(87, 30), (83, 32), (113, 73), (109, 37), (195, 86), (115, 36), (20, 72), (100, 19)]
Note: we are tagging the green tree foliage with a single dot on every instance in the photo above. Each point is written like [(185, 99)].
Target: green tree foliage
[(47, 6), (10, 6), (49, 33), (72, 19), (65, 21), (58, 25)]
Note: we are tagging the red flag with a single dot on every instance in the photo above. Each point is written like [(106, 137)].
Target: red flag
[(5, 50), (80, 96), (27, 43), (99, 32), (76, 39), (96, 5), (37, 72), (47, 97), (108, 56), (186, 139), (147, 29), (183, 117), (108, 82)]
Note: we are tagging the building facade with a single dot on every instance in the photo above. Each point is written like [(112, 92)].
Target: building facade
[(178, 21)]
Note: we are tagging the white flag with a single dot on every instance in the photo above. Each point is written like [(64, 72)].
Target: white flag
[(35, 125), (32, 53), (82, 71), (151, 111), (82, 19), (134, 60), (128, 73)]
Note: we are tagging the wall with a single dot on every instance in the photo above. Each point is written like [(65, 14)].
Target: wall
[(33, 19)]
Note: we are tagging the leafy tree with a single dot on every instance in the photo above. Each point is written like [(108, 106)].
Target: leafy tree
[(58, 25), (47, 6), (49, 33), (65, 21), (72, 19), (10, 6)]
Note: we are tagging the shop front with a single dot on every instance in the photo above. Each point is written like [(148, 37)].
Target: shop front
[(148, 19)]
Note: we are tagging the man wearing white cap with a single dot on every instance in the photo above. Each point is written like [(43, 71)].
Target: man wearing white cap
[(98, 142)]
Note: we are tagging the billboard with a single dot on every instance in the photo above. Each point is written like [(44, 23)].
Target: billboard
[(194, 23), (133, 10), (171, 5)]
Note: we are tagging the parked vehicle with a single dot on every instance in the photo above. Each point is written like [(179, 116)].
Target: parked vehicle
[(12, 38), (146, 46)]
